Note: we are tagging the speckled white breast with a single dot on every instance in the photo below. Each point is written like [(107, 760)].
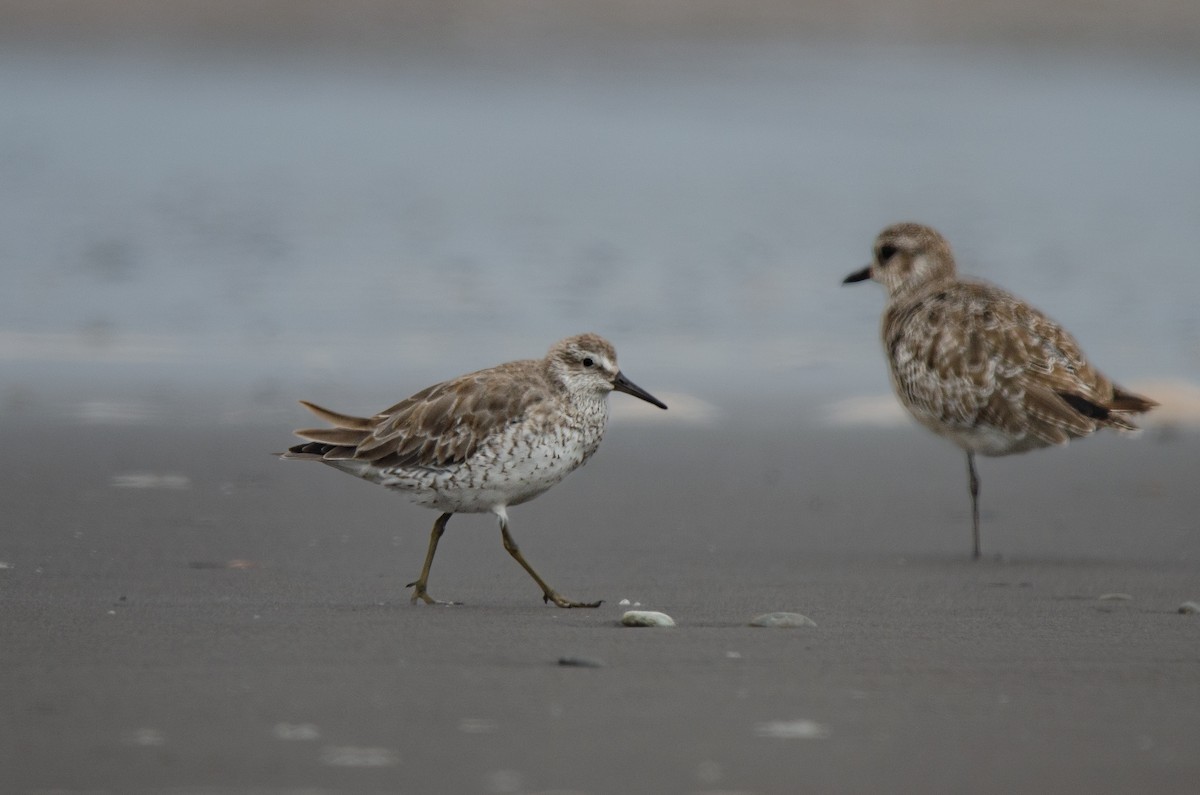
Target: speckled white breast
[(509, 468)]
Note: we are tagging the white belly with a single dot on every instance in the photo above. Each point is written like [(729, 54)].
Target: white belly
[(514, 468), (986, 440)]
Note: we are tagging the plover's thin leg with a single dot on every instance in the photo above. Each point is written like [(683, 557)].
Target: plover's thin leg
[(974, 483), (418, 587), (548, 593)]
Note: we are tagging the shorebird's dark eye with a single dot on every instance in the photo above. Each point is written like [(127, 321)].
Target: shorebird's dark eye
[(886, 253), (587, 361)]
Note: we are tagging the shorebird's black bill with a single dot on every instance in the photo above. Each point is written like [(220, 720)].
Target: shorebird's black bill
[(623, 384), (858, 276)]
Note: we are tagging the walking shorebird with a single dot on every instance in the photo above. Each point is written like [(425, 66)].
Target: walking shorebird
[(483, 441), (978, 365)]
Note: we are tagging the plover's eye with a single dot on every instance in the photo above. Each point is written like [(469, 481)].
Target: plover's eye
[(587, 361), (886, 253)]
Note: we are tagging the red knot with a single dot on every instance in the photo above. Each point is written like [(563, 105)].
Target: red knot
[(483, 441)]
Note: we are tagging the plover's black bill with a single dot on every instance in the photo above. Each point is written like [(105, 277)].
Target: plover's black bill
[(858, 276)]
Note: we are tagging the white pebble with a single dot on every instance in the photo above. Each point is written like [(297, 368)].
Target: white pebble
[(1189, 608), (296, 731), (623, 603), (646, 618), (350, 756), (782, 620), (792, 730)]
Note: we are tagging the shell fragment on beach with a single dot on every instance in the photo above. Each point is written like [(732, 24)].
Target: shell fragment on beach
[(296, 731), (802, 729), (1189, 608), (782, 620), (351, 756), (646, 618)]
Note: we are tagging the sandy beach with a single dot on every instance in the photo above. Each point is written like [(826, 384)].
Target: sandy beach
[(223, 622), (211, 210)]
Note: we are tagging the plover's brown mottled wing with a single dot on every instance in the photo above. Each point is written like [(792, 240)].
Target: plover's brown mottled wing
[(438, 426), (967, 355), (1055, 365)]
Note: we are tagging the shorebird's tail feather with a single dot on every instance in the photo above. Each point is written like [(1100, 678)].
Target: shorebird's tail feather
[(1112, 413), (1127, 402), (340, 420), (316, 451), (329, 444), (338, 437)]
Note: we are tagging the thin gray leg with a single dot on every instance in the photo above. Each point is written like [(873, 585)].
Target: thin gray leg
[(974, 483)]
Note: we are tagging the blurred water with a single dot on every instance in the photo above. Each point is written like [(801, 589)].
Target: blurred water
[(174, 224)]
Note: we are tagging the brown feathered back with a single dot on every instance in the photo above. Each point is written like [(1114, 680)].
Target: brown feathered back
[(437, 427)]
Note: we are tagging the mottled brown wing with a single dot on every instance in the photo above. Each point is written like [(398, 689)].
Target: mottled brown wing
[(1057, 367), (1053, 359), (971, 355), (445, 423)]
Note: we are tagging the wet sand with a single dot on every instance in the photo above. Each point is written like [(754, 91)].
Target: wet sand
[(184, 613)]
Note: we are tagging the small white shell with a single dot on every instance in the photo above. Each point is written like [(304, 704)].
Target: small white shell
[(646, 618), (792, 730), (782, 620)]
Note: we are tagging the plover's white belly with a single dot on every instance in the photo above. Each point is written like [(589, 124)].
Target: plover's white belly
[(987, 440), (513, 468)]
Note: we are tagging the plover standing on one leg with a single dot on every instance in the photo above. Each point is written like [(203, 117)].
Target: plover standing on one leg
[(978, 365), (483, 441)]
